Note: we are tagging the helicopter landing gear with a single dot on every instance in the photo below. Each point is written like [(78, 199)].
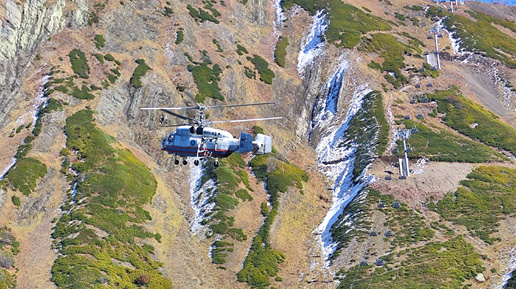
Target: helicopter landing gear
[(184, 162), (216, 163), (196, 162), (176, 161)]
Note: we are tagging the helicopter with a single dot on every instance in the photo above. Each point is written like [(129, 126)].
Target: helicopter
[(198, 140)]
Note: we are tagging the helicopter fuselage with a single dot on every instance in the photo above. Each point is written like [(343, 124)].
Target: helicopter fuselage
[(199, 142)]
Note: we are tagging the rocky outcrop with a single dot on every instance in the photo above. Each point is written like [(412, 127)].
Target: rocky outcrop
[(21, 33)]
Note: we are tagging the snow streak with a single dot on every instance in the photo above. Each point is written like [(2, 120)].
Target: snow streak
[(199, 196), (337, 162), (511, 266), (313, 42), (33, 111), (280, 17)]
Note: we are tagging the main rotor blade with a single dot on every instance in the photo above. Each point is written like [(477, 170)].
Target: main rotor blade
[(175, 125), (245, 120), (205, 107), (235, 105), (177, 115), (167, 110)]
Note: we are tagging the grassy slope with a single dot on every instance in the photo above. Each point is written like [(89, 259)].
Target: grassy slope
[(97, 237)]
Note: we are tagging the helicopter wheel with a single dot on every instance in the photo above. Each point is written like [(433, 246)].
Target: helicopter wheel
[(185, 162), (196, 162), (176, 162), (216, 163)]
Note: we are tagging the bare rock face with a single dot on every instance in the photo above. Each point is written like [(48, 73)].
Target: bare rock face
[(79, 17), (3, 197), (136, 24), (38, 202), (21, 33), (53, 124)]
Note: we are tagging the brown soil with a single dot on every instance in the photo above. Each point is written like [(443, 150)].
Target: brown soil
[(435, 180)]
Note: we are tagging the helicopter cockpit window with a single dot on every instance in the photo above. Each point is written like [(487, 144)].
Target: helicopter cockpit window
[(170, 138)]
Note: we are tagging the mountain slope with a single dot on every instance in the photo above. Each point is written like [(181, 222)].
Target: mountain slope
[(344, 76)]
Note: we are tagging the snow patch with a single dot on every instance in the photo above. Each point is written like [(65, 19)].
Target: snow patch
[(511, 266), (199, 196), (313, 42), (420, 166), (169, 53), (33, 109), (280, 16), (7, 168), (325, 110), (336, 162)]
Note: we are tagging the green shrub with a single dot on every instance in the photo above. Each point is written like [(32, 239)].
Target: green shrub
[(52, 105), (114, 186), (281, 51), (250, 73), (262, 260), (168, 12), (427, 71), (462, 115), (99, 41), (399, 16), (479, 34), (439, 145), (199, 14), (109, 57), (241, 50), (16, 200), (218, 251), (266, 75), (414, 7), (83, 93), (243, 194), (140, 71), (348, 24), (485, 198), (219, 48), (20, 128), (179, 36), (206, 78), (25, 174), (392, 51), (79, 63)]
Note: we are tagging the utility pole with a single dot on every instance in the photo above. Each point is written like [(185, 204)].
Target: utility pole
[(435, 30)]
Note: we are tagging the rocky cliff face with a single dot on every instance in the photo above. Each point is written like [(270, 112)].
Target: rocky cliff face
[(23, 28)]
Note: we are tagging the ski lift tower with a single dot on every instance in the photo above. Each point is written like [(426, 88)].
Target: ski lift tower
[(435, 30), (404, 163)]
